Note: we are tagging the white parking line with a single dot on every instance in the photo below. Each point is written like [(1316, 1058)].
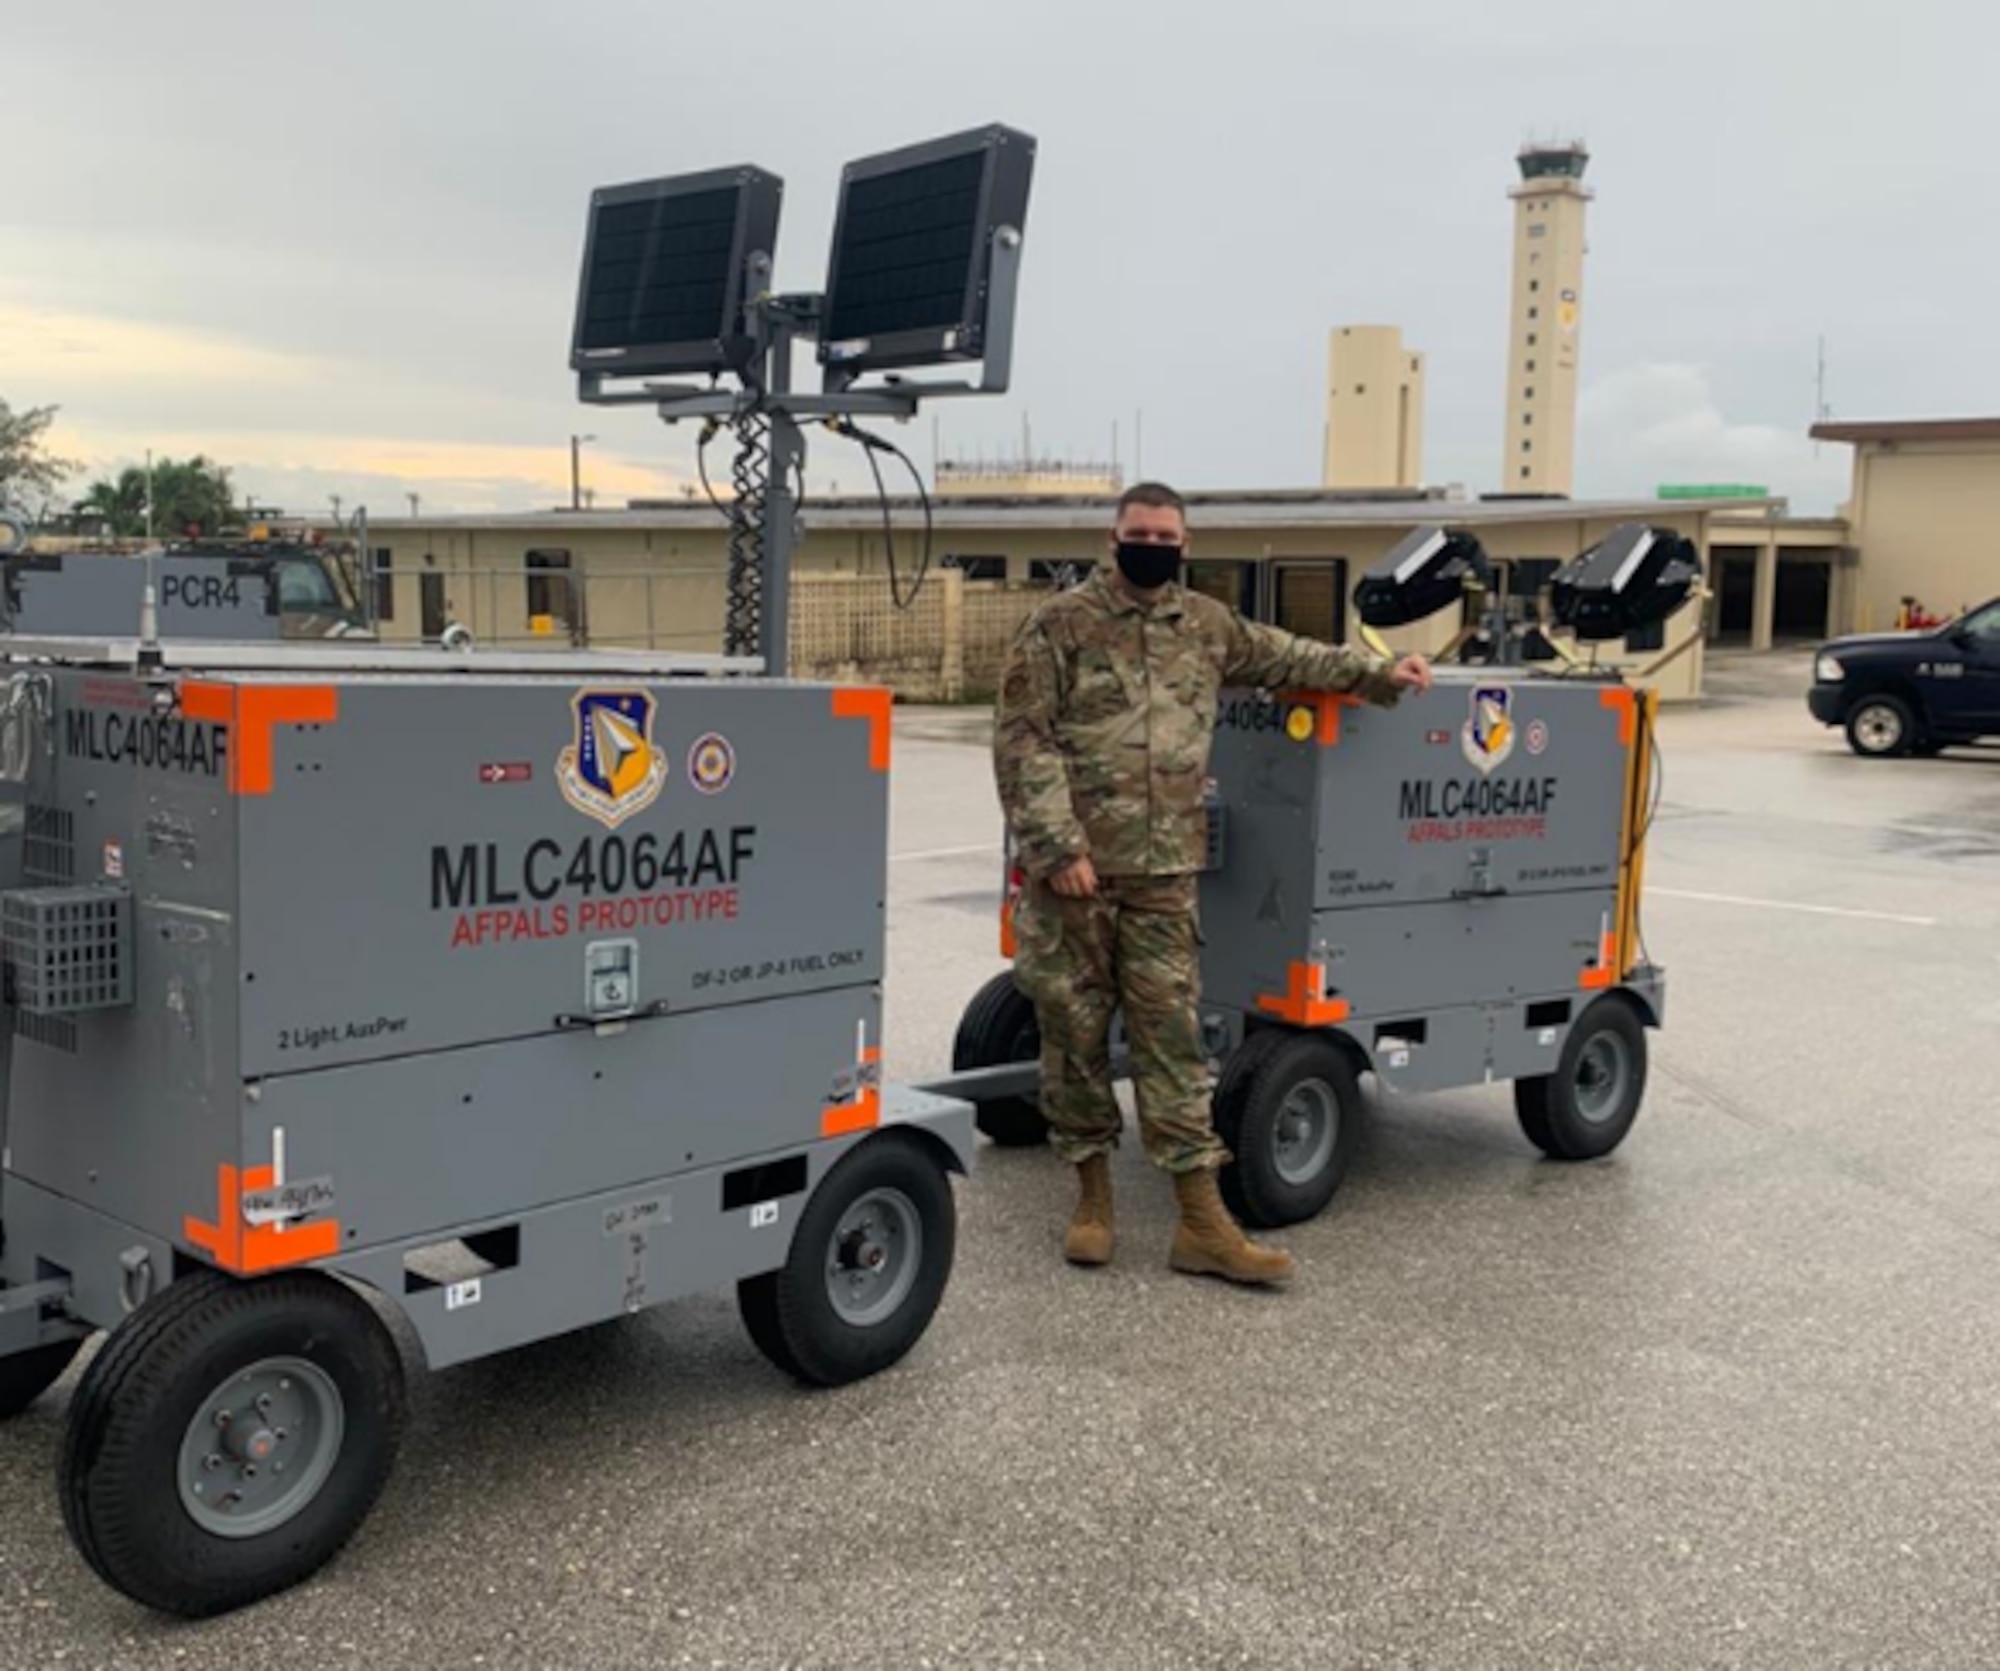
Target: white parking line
[(1790, 905), (946, 852)]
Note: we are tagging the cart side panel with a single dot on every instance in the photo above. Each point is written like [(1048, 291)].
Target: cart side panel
[(128, 1111)]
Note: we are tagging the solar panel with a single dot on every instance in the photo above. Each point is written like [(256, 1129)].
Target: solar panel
[(663, 272), (907, 284)]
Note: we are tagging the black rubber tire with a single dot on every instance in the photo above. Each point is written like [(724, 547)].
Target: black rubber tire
[(27, 1375), (1881, 701), (788, 1313), (1547, 1104), (1256, 1082), (999, 1028), (116, 1476)]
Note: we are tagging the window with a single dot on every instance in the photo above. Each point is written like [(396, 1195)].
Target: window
[(1227, 582), (1524, 472), (1527, 417), (1527, 446), (1531, 339), (1531, 365), (385, 584), (1534, 284), (1311, 598), (1538, 229), (1984, 627), (979, 568), (1361, 388), (1061, 572), (1528, 393), (1534, 313), (549, 594)]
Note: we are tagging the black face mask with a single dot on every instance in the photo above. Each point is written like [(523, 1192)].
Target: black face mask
[(1147, 566)]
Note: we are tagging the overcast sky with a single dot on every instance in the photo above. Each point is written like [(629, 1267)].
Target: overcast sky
[(338, 251)]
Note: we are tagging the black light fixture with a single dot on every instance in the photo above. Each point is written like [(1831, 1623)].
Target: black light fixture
[(665, 272), (909, 281), (1425, 572), (1632, 578)]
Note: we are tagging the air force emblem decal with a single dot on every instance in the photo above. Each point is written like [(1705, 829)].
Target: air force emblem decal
[(1488, 735), (611, 769)]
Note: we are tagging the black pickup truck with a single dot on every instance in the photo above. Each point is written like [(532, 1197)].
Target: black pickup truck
[(1912, 692)]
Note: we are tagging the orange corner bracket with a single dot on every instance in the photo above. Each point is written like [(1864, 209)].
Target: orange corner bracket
[(247, 1249), (1305, 1003), (874, 704), (252, 714)]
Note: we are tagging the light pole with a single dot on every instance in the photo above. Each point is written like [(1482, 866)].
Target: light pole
[(415, 499), (576, 470)]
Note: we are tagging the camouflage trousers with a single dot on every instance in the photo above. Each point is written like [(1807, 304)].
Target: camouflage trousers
[(1131, 949)]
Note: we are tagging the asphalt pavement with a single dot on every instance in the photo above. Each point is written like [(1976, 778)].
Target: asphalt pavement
[(1727, 1398)]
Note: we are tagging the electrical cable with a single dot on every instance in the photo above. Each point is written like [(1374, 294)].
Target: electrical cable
[(743, 615), (872, 444), (1648, 740), (701, 466)]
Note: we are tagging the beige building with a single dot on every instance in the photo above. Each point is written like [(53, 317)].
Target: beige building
[(1545, 320), (1923, 516), (1374, 409), (656, 576)]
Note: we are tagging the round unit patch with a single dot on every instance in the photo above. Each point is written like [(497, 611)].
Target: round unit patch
[(1299, 724), (1538, 737), (711, 764)]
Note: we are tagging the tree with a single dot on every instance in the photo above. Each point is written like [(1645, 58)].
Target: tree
[(189, 496), (28, 470)]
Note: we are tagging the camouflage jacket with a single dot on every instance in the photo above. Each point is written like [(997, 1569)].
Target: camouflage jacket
[(1107, 709)]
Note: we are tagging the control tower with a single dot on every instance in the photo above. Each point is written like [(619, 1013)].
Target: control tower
[(1545, 320)]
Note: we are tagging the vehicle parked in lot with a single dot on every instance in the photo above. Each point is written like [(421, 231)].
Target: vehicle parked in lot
[(1912, 692)]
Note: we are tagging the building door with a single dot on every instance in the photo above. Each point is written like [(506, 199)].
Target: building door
[(1735, 598), (1805, 590), (430, 605)]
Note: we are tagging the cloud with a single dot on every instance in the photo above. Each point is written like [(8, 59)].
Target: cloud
[(1650, 424), (42, 346), (301, 472)]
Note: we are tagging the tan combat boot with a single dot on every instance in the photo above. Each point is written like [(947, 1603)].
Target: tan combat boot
[(1208, 1242), (1088, 1241)]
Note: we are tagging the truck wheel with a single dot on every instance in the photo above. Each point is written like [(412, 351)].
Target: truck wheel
[(1881, 726), (867, 1267), (27, 1375), (1585, 1108), (999, 1028), (1289, 1108), (230, 1438)]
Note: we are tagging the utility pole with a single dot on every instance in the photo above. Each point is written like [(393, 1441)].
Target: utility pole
[(576, 470)]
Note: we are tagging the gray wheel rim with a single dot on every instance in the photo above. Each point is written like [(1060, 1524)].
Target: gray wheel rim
[(873, 1257), (260, 1447), (1303, 1134), (1603, 1074), (1879, 727)]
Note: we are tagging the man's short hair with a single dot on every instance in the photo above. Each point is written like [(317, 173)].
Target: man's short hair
[(1157, 495)]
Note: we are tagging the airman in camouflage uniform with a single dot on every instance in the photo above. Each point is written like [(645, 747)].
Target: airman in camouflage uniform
[(1107, 709)]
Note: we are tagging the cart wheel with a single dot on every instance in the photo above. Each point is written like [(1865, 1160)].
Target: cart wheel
[(999, 1027), (27, 1375), (867, 1267), (1289, 1108), (230, 1438), (1585, 1108), (1881, 726)]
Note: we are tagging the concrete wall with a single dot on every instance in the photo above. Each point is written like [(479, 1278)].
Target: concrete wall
[(1926, 518), (1374, 409), (665, 588)]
